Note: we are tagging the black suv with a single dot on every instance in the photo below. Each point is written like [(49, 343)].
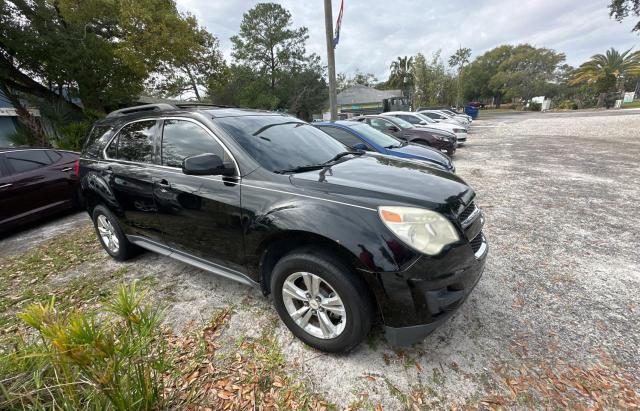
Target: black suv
[(270, 201)]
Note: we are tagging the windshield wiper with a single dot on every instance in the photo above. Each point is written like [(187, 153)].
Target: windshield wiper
[(343, 154), (301, 169), (393, 146), (311, 167)]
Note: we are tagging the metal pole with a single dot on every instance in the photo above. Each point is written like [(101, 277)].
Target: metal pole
[(328, 24)]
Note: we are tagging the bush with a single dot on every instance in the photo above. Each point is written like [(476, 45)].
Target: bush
[(72, 135), (534, 106), (112, 361), (22, 137), (567, 105)]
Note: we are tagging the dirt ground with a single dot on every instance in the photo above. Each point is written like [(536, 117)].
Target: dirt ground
[(554, 322)]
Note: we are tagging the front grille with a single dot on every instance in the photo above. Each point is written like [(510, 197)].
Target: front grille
[(476, 242), (467, 212)]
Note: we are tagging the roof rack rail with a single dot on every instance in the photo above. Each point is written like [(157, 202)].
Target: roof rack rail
[(137, 109), (190, 104)]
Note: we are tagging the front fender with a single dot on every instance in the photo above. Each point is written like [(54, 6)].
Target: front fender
[(357, 230)]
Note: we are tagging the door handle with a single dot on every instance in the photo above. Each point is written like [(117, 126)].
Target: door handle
[(5, 186), (67, 169)]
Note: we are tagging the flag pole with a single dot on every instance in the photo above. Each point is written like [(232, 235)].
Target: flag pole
[(328, 23)]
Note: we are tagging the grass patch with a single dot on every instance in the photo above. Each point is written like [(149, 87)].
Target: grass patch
[(86, 350), (634, 104), (28, 277)]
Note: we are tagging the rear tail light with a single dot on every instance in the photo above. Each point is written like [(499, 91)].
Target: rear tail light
[(76, 168)]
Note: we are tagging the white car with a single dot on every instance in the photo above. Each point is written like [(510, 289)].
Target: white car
[(442, 117), (457, 115), (418, 120)]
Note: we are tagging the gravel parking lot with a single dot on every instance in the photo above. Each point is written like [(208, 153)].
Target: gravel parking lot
[(555, 320)]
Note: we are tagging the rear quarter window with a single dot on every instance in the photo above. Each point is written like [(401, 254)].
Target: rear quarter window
[(96, 141)]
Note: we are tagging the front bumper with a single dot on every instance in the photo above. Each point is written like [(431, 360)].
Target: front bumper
[(422, 297)]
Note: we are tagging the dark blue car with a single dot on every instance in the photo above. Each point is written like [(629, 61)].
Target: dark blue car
[(361, 136)]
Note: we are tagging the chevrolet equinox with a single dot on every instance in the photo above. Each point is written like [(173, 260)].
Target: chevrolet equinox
[(340, 238)]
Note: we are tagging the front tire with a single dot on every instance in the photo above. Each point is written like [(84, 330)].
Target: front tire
[(321, 301), (110, 234)]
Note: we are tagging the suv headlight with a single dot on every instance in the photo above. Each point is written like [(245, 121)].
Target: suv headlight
[(424, 230), (459, 130)]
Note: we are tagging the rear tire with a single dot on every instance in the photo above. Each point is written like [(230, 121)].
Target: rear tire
[(321, 301), (111, 236)]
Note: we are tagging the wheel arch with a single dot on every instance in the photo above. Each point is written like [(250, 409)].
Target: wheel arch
[(284, 242)]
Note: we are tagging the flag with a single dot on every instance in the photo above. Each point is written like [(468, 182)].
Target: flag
[(336, 39)]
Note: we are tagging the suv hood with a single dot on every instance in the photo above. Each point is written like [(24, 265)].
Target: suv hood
[(375, 180)]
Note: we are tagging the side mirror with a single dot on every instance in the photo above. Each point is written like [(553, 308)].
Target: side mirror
[(360, 146), (423, 122), (393, 129), (207, 165)]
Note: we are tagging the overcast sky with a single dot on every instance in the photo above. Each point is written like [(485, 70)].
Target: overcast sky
[(375, 32)]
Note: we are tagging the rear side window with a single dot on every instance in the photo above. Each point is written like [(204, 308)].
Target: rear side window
[(54, 155), (23, 161), (342, 136), (381, 124), (410, 119), (134, 142), (182, 139)]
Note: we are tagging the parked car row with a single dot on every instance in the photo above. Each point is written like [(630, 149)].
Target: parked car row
[(343, 223)]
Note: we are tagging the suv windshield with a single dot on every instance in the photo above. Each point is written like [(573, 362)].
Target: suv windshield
[(281, 143), (376, 137)]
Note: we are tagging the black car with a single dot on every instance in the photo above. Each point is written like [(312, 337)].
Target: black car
[(272, 202), (35, 183)]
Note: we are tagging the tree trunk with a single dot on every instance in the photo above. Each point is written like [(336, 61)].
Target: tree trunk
[(194, 86), (601, 98)]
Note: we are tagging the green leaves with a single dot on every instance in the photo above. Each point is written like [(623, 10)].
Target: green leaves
[(112, 358), (511, 72), (621, 9)]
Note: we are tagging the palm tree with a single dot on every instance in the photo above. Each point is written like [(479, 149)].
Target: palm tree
[(401, 73), (606, 70)]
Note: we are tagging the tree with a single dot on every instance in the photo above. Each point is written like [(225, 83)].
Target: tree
[(621, 9), (53, 52), (507, 71), (527, 72), (431, 81), (401, 74), (358, 78), (196, 63), (479, 73), (604, 71), (267, 41), (458, 60)]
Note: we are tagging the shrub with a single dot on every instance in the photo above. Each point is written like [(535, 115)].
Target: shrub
[(83, 360), (567, 105), (72, 135), (22, 137), (534, 106)]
